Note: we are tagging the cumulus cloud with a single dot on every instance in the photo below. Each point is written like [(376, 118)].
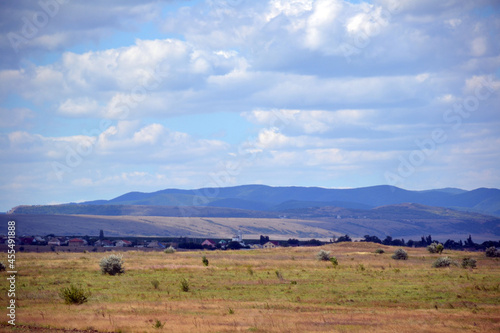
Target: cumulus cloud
[(30, 28), (310, 121), (334, 90)]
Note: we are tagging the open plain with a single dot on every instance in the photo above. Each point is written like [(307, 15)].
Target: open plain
[(267, 290)]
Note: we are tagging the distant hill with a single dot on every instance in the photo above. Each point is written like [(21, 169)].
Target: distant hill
[(267, 198), (409, 221), (376, 210)]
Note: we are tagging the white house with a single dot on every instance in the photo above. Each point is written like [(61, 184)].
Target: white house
[(123, 243), (54, 241)]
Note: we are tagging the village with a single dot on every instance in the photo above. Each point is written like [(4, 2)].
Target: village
[(101, 243)]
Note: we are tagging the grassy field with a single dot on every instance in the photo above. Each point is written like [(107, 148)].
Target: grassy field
[(279, 290)]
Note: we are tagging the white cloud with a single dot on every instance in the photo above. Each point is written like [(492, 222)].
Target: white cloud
[(310, 121), (322, 24), (66, 24), (310, 109), (289, 7), (79, 107)]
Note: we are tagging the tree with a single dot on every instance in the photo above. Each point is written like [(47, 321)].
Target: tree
[(293, 242), (234, 246), (264, 239), (372, 239), (313, 242), (398, 242), (469, 243), (344, 238)]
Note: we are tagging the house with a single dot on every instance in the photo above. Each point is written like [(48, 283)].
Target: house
[(27, 240), (238, 237), (209, 243), (104, 243), (155, 245), (54, 241), (77, 242), (123, 243), (39, 240), (270, 245)]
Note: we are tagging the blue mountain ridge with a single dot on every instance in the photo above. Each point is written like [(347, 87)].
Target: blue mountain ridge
[(268, 198)]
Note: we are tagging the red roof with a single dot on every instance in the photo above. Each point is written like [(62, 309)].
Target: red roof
[(76, 240)]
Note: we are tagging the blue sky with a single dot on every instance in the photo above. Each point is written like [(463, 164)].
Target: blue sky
[(99, 98)]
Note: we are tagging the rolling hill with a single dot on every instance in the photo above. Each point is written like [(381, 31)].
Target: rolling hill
[(409, 221), (267, 198), (289, 212)]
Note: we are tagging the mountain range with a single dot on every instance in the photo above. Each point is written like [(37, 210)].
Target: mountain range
[(267, 198), (377, 210)]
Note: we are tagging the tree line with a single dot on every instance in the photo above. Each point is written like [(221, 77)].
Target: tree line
[(451, 244)]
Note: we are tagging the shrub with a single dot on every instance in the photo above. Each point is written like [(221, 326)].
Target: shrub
[(334, 261), (323, 255), (74, 295), (155, 283), (469, 262), (443, 262), (2, 267), (184, 285), (158, 324), (492, 252), (435, 248), (204, 260), (112, 265), (400, 254), (169, 249), (379, 251)]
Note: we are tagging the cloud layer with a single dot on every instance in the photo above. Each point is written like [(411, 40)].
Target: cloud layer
[(103, 98)]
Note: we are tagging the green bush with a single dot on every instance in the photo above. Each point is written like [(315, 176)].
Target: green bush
[(158, 324), (184, 285), (400, 254), (492, 252), (204, 260), (379, 251), (112, 265), (469, 263), (323, 255), (443, 262), (435, 248), (169, 249), (74, 295), (155, 283), (334, 261)]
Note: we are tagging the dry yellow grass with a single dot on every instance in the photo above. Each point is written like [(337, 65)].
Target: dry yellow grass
[(280, 290)]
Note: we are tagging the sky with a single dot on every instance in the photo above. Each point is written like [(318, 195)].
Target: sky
[(100, 98)]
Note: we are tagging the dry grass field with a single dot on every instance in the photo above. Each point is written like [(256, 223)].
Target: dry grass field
[(278, 290)]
